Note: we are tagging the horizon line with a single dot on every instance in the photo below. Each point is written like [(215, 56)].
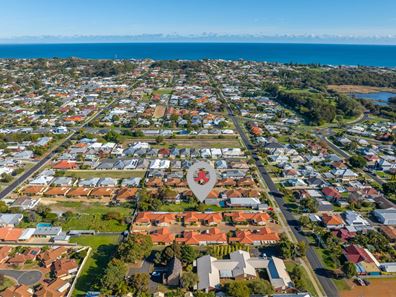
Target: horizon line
[(196, 42)]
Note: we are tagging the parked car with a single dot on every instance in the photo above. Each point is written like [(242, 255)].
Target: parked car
[(360, 282)]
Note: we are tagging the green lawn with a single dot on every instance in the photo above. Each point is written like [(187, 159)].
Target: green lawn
[(90, 216), (105, 173), (103, 247), (341, 284), (307, 282), (163, 92), (93, 222), (325, 258), (8, 282)]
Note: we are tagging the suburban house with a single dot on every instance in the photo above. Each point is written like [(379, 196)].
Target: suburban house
[(155, 218), (355, 220), (65, 165), (64, 268), (240, 266), (386, 216), (253, 218), (364, 261), (162, 236), (10, 219), (211, 236), (199, 218), (174, 270), (263, 236), (333, 221), (49, 256), (25, 203)]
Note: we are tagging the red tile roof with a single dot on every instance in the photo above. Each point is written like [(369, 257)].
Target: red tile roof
[(155, 218), (331, 192), (162, 236), (357, 254), (332, 219), (256, 217), (126, 193), (214, 236), (249, 237), (65, 164), (10, 234), (197, 217)]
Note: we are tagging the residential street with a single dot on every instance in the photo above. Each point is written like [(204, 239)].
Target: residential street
[(319, 269)]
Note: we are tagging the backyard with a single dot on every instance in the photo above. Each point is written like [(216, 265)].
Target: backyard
[(103, 248)]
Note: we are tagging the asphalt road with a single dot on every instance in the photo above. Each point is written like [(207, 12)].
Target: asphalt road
[(27, 278), (11, 187), (319, 269), (21, 179)]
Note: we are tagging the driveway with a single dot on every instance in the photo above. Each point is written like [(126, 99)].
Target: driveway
[(29, 277)]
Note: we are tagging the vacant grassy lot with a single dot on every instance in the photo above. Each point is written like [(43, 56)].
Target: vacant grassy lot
[(105, 173), (90, 216), (103, 248)]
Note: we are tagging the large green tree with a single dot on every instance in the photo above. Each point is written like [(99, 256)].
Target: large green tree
[(260, 286), (114, 276), (357, 161), (389, 188), (238, 289), (139, 284), (189, 279), (135, 247), (349, 269)]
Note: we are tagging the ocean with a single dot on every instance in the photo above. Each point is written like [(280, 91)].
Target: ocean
[(330, 54)]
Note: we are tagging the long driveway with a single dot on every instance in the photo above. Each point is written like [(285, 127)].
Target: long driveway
[(321, 272)]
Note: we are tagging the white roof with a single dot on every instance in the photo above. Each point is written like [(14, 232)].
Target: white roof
[(248, 201), (27, 234), (210, 270), (208, 274), (278, 275)]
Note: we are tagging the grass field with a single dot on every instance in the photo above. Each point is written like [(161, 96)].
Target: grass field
[(90, 216), (103, 247), (105, 173)]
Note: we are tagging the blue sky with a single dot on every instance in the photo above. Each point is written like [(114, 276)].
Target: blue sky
[(183, 17)]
